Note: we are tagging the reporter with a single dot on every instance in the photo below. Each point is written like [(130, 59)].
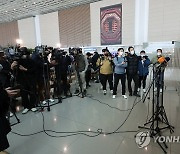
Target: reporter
[(143, 69), (4, 123), (26, 77), (106, 70)]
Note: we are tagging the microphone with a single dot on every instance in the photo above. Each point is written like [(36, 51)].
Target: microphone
[(163, 59)]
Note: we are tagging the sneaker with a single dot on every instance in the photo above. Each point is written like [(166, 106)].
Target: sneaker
[(34, 109), (96, 81), (44, 102), (124, 96), (111, 91), (161, 90), (144, 90), (11, 114), (104, 91), (51, 100), (138, 89), (114, 96), (25, 111)]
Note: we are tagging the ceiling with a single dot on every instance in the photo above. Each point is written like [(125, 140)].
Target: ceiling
[(11, 10)]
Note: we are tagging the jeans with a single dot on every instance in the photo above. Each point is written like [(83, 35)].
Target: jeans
[(104, 78), (142, 79), (133, 77), (116, 82)]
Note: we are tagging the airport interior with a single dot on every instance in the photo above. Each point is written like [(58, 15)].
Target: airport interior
[(89, 77)]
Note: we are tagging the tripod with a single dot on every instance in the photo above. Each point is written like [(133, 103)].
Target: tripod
[(46, 79), (158, 110)]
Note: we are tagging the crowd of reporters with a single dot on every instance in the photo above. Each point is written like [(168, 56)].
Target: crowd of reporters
[(46, 68)]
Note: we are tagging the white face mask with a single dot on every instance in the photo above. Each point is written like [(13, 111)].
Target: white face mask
[(142, 55), (121, 53), (132, 52), (159, 53)]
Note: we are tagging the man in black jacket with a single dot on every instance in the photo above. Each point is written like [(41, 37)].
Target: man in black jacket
[(132, 71), (26, 77), (4, 124)]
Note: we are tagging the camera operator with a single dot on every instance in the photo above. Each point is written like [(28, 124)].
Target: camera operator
[(94, 66), (26, 77), (5, 71), (81, 66), (61, 61), (4, 123), (105, 63), (132, 71), (43, 75), (143, 69), (88, 72)]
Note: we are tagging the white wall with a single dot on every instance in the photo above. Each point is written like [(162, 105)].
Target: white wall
[(164, 20), (49, 28), (128, 22), (27, 32)]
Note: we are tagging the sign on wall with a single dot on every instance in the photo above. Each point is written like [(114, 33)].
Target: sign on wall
[(111, 25)]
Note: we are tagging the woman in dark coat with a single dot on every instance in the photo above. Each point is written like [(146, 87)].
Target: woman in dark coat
[(4, 123)]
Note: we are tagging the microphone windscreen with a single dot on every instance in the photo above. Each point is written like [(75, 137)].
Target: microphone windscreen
[(161, 60)]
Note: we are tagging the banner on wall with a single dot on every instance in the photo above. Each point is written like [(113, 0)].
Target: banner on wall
[(111, 25)]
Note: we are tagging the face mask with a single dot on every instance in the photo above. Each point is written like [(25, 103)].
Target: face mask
[(121, 53), (142, 55), (159, 53), (132, 52)]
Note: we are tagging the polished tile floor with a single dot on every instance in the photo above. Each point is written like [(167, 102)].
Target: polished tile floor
[(87, 114)]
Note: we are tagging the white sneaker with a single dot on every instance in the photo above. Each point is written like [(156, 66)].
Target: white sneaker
[(161, 90), (25, 111), (44, 102), (34, 109), (124, 96), (51, 100), (104, 91), (155, 89), (138, 89), (114, 96), (111, 91), (11, 114), (144, 90)]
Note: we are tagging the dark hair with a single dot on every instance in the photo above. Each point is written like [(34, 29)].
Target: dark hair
[(105, 50), (159, 50), (142, 51), (130, 48), (120, 49)]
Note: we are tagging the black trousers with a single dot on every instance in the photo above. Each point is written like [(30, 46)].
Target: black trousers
[(142, 79), (133, 77), (29, 94), (88, 77), (117, 77), (106, 77)]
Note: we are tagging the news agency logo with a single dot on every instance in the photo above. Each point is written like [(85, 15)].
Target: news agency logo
[(143, 139)]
